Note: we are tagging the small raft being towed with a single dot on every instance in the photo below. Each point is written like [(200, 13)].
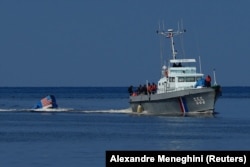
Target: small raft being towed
[(47, 102)]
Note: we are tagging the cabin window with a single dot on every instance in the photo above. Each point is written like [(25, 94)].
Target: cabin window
[(181, 79), (190, 79), (171, 79)]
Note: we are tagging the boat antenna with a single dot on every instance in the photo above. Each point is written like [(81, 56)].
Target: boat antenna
[(214, 77), (161, 46), (182, 37), (198, 50), (200, 63)]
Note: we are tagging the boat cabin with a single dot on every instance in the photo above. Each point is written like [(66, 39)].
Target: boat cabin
[(178, 76)]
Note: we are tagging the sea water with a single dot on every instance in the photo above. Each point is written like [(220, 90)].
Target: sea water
[(91, 120)]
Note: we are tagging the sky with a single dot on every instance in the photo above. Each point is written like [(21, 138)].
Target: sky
[(114, 42)]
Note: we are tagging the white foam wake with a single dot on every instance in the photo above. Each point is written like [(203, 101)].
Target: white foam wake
[(7, 110), (51, 110), (121, 111)]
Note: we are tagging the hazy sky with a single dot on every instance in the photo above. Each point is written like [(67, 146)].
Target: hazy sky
[(114, 42)]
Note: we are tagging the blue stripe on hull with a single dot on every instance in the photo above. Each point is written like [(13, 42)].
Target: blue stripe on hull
[(183, 104)]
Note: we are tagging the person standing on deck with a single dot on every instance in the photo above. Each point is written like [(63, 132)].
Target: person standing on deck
[(208, 81)]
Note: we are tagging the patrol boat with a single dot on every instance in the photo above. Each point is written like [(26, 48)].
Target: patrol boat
[(180, 90)]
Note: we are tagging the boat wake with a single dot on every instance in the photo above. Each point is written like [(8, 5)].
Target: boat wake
[(111, 111), (50, 110), (69, 110), (120, 111), (37, 110), (8, 110)]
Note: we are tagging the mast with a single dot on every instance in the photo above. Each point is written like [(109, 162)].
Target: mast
[(170, 34)]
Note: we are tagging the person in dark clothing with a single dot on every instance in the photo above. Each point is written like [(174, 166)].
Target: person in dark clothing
[(208, 81), (144, 89), (139, 90), (130, 90)]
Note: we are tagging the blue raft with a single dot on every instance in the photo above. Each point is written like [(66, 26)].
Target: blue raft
[(47, 102)]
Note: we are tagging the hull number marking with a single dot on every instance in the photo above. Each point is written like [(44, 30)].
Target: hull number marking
[(199, 100)]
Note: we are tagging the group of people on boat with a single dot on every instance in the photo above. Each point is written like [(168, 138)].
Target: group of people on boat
[(203, 82), (145, 89), (152, 88)]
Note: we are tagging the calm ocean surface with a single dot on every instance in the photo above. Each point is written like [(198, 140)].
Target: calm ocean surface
[(91, 120)]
